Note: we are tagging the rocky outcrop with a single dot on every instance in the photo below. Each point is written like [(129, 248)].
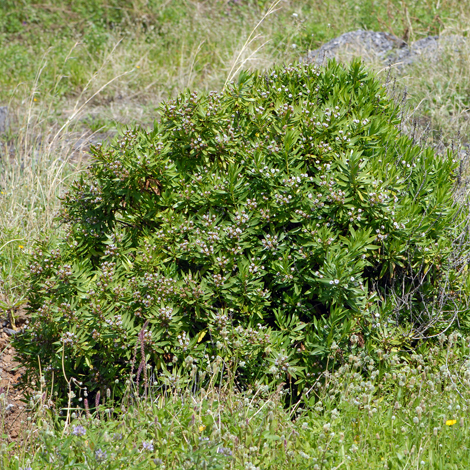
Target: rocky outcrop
[(383, 47)]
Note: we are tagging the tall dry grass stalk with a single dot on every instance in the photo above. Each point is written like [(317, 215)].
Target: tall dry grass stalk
[(241, 59), (39, 156)]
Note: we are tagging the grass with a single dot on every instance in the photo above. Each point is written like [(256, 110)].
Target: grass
[(172, 45), (72, 72), (442, 98), (406, 412)]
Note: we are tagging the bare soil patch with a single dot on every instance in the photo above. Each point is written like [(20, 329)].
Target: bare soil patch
[(13, 409)]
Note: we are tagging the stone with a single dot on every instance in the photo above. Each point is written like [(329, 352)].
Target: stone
[(10, 332), (3, 119), (367, 44), (430, 48), (383, 47)]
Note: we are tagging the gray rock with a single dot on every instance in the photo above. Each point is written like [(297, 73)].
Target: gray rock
[(367, 44), (430, 48), (10, 332), (409, 54), (3, 119), (383, 47)]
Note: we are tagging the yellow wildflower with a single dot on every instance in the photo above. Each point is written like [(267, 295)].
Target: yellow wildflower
[(451, 422), (20, 247), (201, 428)]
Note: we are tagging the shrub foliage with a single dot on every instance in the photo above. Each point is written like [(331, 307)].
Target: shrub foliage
[(272, 224)]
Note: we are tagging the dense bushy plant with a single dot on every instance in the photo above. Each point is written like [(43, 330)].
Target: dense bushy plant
[(271, 224)]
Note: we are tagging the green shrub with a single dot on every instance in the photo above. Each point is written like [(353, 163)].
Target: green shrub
[(274, 224)]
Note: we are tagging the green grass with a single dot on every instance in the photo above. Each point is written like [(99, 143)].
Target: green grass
[(407, 411), (70, 69), (178, 44), (63, 52)]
